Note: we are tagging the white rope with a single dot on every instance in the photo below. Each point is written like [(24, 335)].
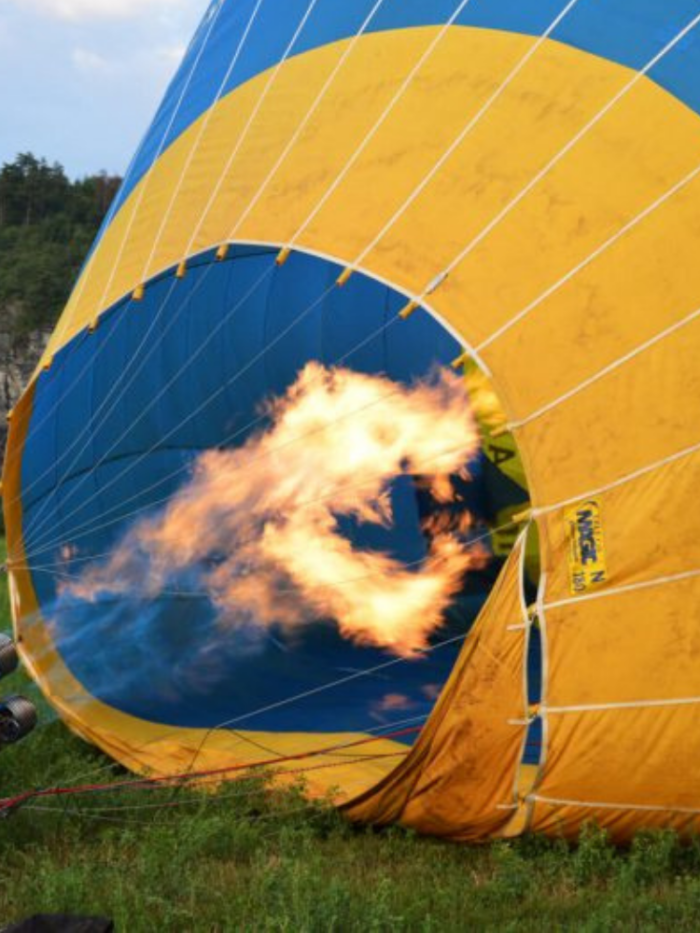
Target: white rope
[(116, 392), (90, 528), (406, 83), (154, 401), (204, 125), (552, 163), (336, 584), (408, 80), (309, 114), (545, 674), (222, 86), (191, 156), (464, 133), (605, 371), (46, 544), (84, 275), (603, 805), (628, 588), (144, 185), (611, 241), (525, 671), (202, 406), (646, 470), (118, 384), (86, 271), (622, 705), (39, 542), (88, 425), (315, 691), (251, 119)]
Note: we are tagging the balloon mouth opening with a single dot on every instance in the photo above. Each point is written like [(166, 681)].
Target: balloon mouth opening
[(340, 510)]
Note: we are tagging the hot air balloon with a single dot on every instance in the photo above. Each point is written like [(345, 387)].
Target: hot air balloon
[(383, 188)]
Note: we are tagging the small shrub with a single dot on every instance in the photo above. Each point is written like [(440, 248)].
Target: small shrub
[(594, 858)]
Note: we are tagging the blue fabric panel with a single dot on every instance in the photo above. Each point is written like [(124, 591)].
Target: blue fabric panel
[(295, 314), (627, 31), (244, 341), (238, 332), (352, 320), (533, 746), (419, 337), (39, 467), (73, 449), (129, 492)]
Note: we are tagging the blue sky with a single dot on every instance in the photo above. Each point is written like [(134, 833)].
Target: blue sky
[(81, 79)]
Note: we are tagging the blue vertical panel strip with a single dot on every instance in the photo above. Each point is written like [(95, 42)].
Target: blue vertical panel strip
[(352, 328)]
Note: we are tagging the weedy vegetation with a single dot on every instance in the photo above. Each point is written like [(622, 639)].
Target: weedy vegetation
[(247, 857)]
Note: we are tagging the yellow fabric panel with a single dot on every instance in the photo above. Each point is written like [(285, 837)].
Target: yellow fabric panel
[(460, 779), (495, 161), (641, 413), (636, 281), (370, 79), (639, 758), (519, 822), (638, 645), (649, 528), (557, 820)]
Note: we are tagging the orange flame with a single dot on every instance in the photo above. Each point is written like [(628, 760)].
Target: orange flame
[(261, 522)]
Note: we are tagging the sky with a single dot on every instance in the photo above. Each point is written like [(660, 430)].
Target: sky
[(80, 80)]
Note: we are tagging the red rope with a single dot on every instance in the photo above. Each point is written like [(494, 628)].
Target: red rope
[(11, 803)]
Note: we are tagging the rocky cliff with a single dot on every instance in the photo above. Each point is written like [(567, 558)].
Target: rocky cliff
[(19, 354)]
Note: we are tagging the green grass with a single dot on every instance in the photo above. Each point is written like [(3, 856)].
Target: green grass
[(248, 858)]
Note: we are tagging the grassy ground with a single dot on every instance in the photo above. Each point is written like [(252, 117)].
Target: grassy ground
[(247, 859)]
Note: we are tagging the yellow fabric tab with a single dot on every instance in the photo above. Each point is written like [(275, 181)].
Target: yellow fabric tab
[(408, 309), (344, 276)]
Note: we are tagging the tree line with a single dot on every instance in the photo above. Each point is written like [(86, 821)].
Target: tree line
[(47, 225)]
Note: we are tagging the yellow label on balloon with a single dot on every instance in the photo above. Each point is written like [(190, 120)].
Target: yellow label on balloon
[(587, 564)]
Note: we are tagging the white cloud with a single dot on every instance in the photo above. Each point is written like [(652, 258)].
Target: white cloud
[(171, 54), (90, 62), (78, 10)]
